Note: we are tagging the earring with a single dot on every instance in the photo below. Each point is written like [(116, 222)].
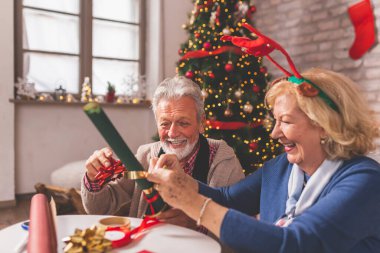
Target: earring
[(323, 141)]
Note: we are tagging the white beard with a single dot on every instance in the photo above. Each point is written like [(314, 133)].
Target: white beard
[(181, 153)]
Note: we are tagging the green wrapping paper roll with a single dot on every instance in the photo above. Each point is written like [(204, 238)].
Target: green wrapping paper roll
[(113, 138)]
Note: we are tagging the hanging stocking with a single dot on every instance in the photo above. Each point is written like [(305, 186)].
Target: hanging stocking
[(363, 20)]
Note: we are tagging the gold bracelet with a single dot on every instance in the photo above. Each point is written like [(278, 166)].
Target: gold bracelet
[(205, 203)]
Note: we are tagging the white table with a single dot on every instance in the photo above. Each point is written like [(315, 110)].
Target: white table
[(161, 238)]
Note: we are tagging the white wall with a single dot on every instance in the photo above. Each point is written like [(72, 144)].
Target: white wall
[(49, 136), (154, 44), (7, 178), (174, 16)]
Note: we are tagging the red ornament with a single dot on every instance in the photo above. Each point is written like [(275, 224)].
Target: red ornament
[(229, 67), (256, 88), (180, 52), (207, 45), (189, 74), (263, 70), (211, 75), (252, 8), (253, 146), (197, 35)]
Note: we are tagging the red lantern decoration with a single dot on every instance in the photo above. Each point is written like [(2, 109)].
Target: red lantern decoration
[(189, 74), (229, 67), (256, 88), (207, 45)]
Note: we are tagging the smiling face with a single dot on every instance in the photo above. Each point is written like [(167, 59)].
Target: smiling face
[(300, 137), (178, 126)]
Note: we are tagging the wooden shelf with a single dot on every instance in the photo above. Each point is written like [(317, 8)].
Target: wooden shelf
[(144, 103)]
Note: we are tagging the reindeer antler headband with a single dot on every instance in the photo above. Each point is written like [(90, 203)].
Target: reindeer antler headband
[(263, 46)]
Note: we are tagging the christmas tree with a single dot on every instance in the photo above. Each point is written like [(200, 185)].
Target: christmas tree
[(86, 95), (233, 83)]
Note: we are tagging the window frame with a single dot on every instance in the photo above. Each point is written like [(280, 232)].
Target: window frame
[(85, 40)]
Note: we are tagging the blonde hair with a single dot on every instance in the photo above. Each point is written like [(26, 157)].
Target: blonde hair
[(351, 130)]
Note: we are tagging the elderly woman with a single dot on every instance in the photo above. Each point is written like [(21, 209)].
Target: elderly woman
[(321, 195)]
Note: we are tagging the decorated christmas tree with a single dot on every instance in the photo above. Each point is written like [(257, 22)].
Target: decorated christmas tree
[(233, 83), (86, 95)]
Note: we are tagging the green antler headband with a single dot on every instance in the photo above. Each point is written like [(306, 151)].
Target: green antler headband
[(263, 46)]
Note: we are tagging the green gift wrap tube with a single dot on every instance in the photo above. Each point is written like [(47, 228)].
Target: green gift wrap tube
[(116, 142)]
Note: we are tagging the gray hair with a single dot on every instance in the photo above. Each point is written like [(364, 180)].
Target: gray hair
[(176, 88)]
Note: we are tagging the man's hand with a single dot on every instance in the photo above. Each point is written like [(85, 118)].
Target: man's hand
[(100, 158), (177, 217)]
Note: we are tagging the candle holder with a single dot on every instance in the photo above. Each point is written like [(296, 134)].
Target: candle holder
[(60, 94)]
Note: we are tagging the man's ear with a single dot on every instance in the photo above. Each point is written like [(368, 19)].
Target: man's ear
[(202, 124)]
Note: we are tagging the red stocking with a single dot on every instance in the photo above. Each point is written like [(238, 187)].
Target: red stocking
[(361, 15)]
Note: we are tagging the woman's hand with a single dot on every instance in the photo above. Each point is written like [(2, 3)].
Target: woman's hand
[(181, 191), (174, 185), (100, 158)]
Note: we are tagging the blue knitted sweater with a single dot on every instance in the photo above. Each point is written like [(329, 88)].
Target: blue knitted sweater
[(344, 219)]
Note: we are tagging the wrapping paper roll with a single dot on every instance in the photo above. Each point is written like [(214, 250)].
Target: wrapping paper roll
[(113, 138), (42, 234)]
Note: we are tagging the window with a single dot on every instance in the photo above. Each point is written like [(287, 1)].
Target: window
[(61, 42)]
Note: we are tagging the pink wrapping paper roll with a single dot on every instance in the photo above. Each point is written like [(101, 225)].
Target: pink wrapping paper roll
[(42, 235)]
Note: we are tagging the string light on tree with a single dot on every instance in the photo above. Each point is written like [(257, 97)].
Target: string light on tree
[(233, 83)]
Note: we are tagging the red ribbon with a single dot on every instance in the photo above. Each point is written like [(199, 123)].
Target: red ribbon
[(111, 173), (232, 125), (116, 170), (150, 201), (203, 53), (145, 224)]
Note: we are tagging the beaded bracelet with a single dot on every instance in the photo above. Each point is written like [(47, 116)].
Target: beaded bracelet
[(205, 203)]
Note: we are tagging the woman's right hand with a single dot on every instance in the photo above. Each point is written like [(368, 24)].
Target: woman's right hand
[(176, 187), (100, 158)]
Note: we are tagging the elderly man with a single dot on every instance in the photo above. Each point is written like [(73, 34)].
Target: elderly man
[(179, 111)]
